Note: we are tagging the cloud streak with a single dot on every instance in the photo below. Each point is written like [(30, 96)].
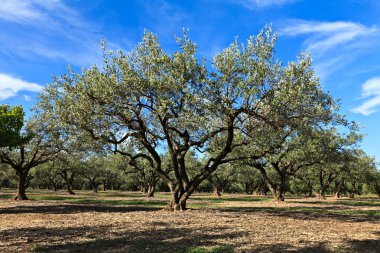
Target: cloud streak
[(326, 36), (10, 86), (334, 45), (48, 29), (19, 11), (370, 92), (258, 4)]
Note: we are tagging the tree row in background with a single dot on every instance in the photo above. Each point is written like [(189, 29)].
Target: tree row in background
[(243, 121)]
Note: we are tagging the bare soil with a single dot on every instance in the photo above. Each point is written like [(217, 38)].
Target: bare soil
[(229, 225)]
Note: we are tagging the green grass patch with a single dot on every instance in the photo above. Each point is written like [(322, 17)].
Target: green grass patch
[(87, 200), (358, 203), (358, 212), (51, 197), (119, 202), (328, 211), (215, 249), (6, 196), (230, 199)]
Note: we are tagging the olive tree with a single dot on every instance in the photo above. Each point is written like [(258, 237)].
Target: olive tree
[(41, 144), (11, 123), (172, 102)]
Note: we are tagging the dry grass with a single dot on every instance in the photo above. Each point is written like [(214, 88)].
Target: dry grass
[(127, 222)]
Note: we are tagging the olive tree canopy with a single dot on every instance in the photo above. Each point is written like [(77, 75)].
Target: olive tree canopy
[(175, 103)]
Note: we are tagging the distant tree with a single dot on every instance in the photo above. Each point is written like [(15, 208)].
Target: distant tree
[(8, 177), (250, 180), (93, 171), (41, 142), (68, 168), (11, 122), (358, 171), (46, 176), (374, 181), (221, 178)]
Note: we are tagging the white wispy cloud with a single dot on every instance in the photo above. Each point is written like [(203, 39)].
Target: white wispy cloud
[(49, 29), (326, 36), (19, 11), (334, 45), (257, 4), (10, 86), (27, 98), (370, 92)]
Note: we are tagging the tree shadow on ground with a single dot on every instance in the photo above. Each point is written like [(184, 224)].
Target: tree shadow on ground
[(287, 248), (343, 202), (106, 239), (305, 213), (351, 246), (75, 208), (160, 238)]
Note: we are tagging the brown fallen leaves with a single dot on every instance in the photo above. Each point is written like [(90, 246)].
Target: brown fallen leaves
[(228, 226)]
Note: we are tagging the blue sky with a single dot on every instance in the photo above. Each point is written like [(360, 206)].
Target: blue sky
[(39, 38)]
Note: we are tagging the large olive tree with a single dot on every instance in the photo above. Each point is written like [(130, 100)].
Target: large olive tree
[(174, 103)]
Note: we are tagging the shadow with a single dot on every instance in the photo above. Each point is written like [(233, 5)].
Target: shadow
[(75, 208), (161, 237), (343, 202), (231, 199), (304, 213), (105, 239), (280, 248), (351, 246), (368, 246)]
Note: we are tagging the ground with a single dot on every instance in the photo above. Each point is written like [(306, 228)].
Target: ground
[(129, 222)]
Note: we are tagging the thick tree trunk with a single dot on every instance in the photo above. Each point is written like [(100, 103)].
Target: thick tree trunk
[(310, 192), (68, 181), (337, 195), (321, 193), (180, 197), (279, 191), (70, 191), (351, 195), (151, 191), (69, 187), (217, 191), (21, 187), (248, 188), (278, 195), (177, 204)]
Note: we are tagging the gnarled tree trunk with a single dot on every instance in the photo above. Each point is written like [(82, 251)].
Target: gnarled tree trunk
[(151, 191), (21, 186)]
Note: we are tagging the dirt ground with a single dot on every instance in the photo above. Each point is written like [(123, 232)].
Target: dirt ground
[(229, 224)]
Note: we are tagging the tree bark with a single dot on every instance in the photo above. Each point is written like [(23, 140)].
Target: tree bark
[(69, 181), (321, 193), (151, 191), (94, 188), (278, 195), (310, 194), (21, 187), (69, 190), (217, 191)]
